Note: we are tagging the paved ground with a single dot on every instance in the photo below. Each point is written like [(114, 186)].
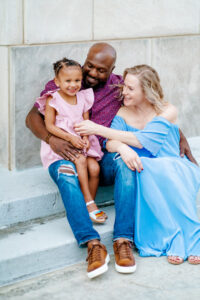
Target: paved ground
[(154, 279)]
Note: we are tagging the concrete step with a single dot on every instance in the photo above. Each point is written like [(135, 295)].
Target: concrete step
[(30, 194), (43, 246)]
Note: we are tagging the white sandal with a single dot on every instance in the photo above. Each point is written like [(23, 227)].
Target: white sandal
[(95, 215)]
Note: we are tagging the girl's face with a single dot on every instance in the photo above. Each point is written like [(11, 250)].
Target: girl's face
[(69, 80), (132, 91)]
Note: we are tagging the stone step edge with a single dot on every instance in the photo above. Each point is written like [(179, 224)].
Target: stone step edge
[(34, 195), (42, 248)]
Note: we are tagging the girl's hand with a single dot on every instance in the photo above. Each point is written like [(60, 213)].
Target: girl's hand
[(77, 142), (86, 127), (87, 143), (130, 157)]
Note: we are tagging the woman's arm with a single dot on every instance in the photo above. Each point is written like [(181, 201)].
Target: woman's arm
[(128, 155), (50, 118), (89, 127)]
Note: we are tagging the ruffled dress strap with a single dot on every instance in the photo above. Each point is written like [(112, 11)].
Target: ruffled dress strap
[(41, 101), (88, 97)]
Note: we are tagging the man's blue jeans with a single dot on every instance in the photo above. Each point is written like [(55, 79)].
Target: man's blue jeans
[(113, 170)]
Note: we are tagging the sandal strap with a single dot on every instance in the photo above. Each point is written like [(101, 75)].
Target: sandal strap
[(96, 213), (90, 202)]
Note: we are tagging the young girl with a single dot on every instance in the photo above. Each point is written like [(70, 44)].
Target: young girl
[(63, 108)]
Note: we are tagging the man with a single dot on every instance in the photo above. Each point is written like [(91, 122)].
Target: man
[(97, 74)]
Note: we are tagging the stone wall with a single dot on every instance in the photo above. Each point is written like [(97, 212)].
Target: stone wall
[(35, 33)]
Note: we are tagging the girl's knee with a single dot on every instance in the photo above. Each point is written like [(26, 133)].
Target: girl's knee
[(81, 161), (93, 168)]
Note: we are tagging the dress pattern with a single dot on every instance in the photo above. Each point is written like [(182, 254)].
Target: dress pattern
[(166, 221), (67, 115)]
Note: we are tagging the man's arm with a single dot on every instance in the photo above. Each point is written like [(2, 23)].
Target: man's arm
[(185, 148), (35, 122)]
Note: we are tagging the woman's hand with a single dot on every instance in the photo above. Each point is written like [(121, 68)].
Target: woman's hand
[(86, 127), (130, 157)]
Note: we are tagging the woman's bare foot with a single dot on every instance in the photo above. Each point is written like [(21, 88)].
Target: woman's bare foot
[(175, 260), (96, 215), (194, 260)]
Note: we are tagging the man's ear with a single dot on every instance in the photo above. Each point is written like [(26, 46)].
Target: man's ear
[(56, 81), (112, 68)]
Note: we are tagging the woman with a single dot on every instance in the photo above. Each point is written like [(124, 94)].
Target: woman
[(166, 221)]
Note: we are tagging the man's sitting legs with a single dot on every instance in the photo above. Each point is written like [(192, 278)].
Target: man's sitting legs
[(64, 174), (113, 169)]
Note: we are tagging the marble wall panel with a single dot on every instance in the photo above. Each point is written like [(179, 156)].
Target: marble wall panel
[(145, 18), (178, 62), (32, 68), (4, 127), (11, 22), (50, 21)]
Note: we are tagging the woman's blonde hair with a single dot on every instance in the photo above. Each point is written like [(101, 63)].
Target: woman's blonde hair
[(150, 83)]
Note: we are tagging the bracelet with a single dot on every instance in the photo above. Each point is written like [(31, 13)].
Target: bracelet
[(48, 137)]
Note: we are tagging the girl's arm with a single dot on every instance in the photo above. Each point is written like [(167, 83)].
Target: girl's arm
[(89, 127), (50, 118), (85, 137)]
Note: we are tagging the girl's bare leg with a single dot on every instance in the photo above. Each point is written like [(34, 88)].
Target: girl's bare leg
[(93, 174), (82, 170), (81, 166)]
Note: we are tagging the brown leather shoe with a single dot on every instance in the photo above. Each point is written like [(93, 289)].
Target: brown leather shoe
[(97, 258), (124, 259)]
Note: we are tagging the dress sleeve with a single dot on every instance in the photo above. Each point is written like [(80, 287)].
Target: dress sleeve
[(154, 134), (88, 95), (117, 123), (41, 101)]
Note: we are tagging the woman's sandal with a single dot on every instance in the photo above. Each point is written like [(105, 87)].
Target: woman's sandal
[(194, 259), (175, 260), (97, 216)]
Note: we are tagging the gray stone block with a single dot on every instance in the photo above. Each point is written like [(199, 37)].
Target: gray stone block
[(11, 19), (177, 60), (145, 18), (4, 111), (50, 21)]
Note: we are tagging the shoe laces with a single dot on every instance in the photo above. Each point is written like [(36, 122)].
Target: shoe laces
[(124, 249), (94, 253)]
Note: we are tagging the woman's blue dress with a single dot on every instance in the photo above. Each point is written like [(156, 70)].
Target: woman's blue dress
[(166, 221)]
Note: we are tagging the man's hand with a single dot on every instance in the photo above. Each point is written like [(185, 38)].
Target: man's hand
[(185, 148), (63, 148)]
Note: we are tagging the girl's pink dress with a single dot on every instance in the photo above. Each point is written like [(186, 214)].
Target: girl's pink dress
[(67, 116)]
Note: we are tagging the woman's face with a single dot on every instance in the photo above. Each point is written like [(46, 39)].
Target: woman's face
[(132, 91)]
